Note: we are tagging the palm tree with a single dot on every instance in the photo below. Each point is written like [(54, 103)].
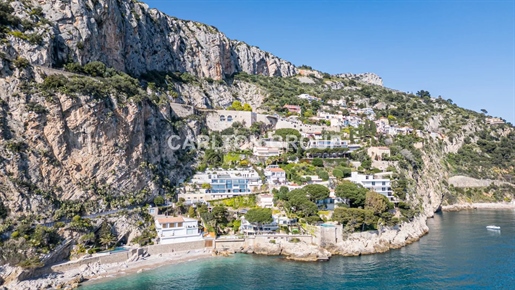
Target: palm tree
[(107, 240)]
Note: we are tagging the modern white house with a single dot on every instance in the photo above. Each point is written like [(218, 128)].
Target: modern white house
[(179, 229), (308, 97), (328, 144), (266, 151), (375, 183), (265, 200), (275, 175), (219, 183), (251, 229)]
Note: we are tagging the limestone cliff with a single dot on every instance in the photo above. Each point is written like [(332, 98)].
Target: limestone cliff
[(133, 38)]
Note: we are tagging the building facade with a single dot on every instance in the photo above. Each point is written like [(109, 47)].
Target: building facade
[(180, 229), (220, 183), (275, 175), (375, 183)]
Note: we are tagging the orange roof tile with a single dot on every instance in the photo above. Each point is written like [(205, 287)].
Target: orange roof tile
[(172, 219), (276, 169)]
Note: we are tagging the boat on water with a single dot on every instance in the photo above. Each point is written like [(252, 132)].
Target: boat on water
[(491, 227)]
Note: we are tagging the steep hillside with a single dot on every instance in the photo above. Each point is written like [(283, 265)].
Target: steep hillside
[(86, 94)]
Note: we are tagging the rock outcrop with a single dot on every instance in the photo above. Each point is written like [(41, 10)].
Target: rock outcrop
[(291, 249), (379, 242), (369, 78)]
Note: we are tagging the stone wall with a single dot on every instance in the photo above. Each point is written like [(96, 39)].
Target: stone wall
[(251, 241), (182, 111), (168, 248), (231, 245), (218, 120), (124, 256)]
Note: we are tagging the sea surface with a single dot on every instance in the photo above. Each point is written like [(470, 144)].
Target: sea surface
[(459, 252)]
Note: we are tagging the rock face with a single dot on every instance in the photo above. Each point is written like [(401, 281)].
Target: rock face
[(130, 37), (82, 148), (369, 78)]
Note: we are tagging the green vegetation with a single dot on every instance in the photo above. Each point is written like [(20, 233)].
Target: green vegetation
[(237, 106), (238, 202), (296, 202), (354, 194), (259, 216), (159, 200), (492, 156)]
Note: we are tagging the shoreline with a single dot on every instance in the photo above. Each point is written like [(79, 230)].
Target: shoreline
[(477, 205), (96, 272), (149, 264), (364, 243)]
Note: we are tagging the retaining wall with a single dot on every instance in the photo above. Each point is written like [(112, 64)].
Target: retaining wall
[(168, 248), (124, 256)]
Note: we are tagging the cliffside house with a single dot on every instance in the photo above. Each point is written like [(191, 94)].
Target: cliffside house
[(375, 182), (219, 183), (377, 153), (176, 229), (308, 97), (252, 228), (293, 109), (266, 151), (265, 200), (275, 175)]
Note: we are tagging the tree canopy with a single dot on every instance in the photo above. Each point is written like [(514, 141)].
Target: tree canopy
[(316, 191), (377, 203), (355, 219), (259, 215), (355, 194)]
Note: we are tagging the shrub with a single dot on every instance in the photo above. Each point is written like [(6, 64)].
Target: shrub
[(272, 241), (21, 62), (35, 38), (37, 108), (318, 162), (95, 69), (159, 200)]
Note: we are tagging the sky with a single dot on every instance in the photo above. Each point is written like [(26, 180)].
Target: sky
[(460, 50)]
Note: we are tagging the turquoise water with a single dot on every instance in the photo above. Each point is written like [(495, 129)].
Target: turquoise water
[(458, 253)]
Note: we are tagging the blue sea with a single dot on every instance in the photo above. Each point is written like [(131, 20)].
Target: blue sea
[(459, 252)]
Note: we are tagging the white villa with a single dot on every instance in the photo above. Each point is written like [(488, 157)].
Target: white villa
[(374, 182), (266, 151), (275, 175), (328, 144), (252, 229), (219, 183), (265, 200), (179, 229)]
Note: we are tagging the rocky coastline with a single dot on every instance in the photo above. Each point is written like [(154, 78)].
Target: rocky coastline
[(469, 206), (356, 244)]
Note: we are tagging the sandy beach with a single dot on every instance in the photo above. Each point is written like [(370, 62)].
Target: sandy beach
[(481, 205), (146, 264), (96, 272)]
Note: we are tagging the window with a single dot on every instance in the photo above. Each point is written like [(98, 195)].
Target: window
[(165, 226), (383, 189), (384, 182), (373, 183), (229, 118), (172, 225), (222, 118), (179, 225)]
